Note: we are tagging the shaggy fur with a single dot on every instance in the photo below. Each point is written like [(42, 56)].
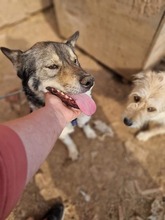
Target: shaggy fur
[(53, 64), (147, 103)]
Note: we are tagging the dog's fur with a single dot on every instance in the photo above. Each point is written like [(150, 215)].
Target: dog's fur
[(146, 103), (56, 65)]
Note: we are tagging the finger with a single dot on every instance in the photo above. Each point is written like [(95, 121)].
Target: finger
[(76, 111), (51, 98)]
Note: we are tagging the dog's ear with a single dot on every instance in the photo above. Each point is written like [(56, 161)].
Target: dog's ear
[(138, 76), (13, 55), (72, 40)]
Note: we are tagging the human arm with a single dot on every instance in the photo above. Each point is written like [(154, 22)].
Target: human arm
[(28, 141), (40, 129)]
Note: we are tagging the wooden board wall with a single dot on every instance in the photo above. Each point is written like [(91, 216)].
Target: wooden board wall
[(118, 33)]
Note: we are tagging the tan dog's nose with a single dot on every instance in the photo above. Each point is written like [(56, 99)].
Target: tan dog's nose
[(87, 81), (127, 121)]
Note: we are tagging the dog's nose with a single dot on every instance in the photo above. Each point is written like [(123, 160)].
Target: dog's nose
[(127, 121), (87, 81)]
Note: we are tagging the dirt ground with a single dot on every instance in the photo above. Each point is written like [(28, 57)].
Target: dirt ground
[(116, 177)]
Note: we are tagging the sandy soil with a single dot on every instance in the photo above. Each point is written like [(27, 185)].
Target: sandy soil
[(115, 178)]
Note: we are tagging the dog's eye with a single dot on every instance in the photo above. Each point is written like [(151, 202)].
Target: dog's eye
[(136, 98), (52, 67), (151, 109), (75, 61)]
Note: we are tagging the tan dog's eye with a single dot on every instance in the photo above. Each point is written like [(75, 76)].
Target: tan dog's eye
[(151, 109), (136, 98)]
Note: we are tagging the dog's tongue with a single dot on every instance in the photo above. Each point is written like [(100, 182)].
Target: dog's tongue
[(85, 103)]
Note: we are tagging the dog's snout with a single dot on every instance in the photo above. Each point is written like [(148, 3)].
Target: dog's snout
[(87, 81), (127, 121)]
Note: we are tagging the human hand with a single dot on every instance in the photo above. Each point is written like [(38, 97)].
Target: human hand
[(60, 109)]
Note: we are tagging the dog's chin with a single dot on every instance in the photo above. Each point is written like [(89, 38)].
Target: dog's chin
[(136, 125)]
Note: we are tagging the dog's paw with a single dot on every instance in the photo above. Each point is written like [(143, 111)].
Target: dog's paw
[(91, 134), (143, 136), (74, 155)]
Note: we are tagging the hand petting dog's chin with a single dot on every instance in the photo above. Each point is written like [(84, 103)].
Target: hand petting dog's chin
[(80, 101)]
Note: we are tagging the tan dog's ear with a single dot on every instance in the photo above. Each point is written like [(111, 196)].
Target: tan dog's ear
[(72, 40), (138, 77), (13, 55)]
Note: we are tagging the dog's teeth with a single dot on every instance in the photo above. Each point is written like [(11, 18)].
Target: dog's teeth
[(66, 97), (70, 98), (62, 93), (58, 90)]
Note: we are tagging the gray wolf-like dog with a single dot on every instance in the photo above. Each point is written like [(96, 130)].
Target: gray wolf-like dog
[(146, 104), (55, 65)]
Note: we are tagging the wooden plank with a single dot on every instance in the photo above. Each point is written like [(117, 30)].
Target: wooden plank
[(157, 49), (117, 33)]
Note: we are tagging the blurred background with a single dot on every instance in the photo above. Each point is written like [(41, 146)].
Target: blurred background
[(116, 177)]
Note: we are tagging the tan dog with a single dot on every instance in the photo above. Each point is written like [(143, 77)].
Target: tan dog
[(147, 104)]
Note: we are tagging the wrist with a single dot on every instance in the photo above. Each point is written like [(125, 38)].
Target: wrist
[(56, 116)]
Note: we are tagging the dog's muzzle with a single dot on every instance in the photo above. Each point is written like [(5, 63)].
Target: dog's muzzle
[(87, 81), (127, 121)]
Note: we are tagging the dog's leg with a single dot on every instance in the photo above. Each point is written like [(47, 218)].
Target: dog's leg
[(70, 145), (83, 123), (146, 135), (67, 140), (89, 132)]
